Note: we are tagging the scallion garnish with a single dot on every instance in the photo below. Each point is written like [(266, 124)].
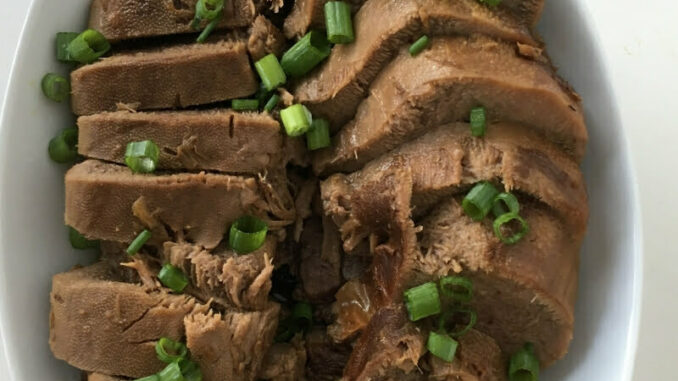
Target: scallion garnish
[(63, 39), (247, 234), (422, 301), (207, 10), (478, 121), (190, 370), (78, 241), (271, 73), (63, 147), (170, 351), (479, 200), (172, 372), (505, 203), (448, 321), (419, 45), (524, 365), (272, 103), (88, 46), (338, 22), (296, 119), (506, 219), (319, 135), (303, 315), (55, 87), (306, 54), (142, 157), (173, 278), (457, 288), (245, 104), (442, 346), (138, 242), (207, 31)]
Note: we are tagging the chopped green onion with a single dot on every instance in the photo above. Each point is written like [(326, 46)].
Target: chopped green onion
[(272, 103), (286, 330), (207, 31), (63, 147), (506, 219), (173, 278), (303, 315), (209, 9), (296, 119), (271, 73), (319, 135), (142, 157), (492, 3), (190, 370), (457, 288), (63, 39), (165, 344), (479, 200), (478, 121), (88, 46), (306, 54), (138, 242), (338, 22), (172, 372), (505, 201), (78, 241), (524, 365), (422, 301), (449, 317), (442, 346), (245, 104), (55, 87), (153, 377), (262, 94), (419, 45), (247, 234)]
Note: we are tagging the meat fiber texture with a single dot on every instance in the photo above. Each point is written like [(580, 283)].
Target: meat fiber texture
[(441, 85), (285, 362), (310, 14), (108, 202), (127, 19), (335, 90), (169, 77)]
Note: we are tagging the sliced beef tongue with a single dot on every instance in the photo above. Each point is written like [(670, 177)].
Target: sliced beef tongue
[(326, 359), (310, 14), (335, 90), (265, 38), (285, 362), (448, 160), (106, 201), (441, 85), (321, 256), (103, 377)]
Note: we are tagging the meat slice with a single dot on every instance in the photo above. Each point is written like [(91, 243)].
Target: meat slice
[(310, 14), (528, 11), (106, 201), (320, 268), (442, 85), (102, 377), (265, 38), (177, 76), (449, 160), (100, 324), (126, 19), (285, 362), (231, 346), (326, 359), (523, 292), (242, 281), (218, 140), (335, 90)]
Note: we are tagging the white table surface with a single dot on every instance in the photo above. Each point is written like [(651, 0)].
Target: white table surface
[(645, 41)]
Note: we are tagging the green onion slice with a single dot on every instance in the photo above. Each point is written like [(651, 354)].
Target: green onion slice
[(457, 288), (505, 219), (286, 330), (209, 9), (142, 157), (63, 39), (78, 241), (319, 135), (271, 73), (138, 242), (178, 350), (306, 54), (88, 46), (479, 200), (153, 377), (450, 318), (296, 119), (190, 370), (442, 346), (207, 31), (524, 365), (338, 22), (303, 315), (245, 104), (272, 103), (63, 147), (247, 234), (505, 203), (173, 278), (422, 301), (478, 121), (55, 87), (419, 45), (172, 372)]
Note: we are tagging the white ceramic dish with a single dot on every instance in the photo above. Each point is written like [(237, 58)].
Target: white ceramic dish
[(33, 243)]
